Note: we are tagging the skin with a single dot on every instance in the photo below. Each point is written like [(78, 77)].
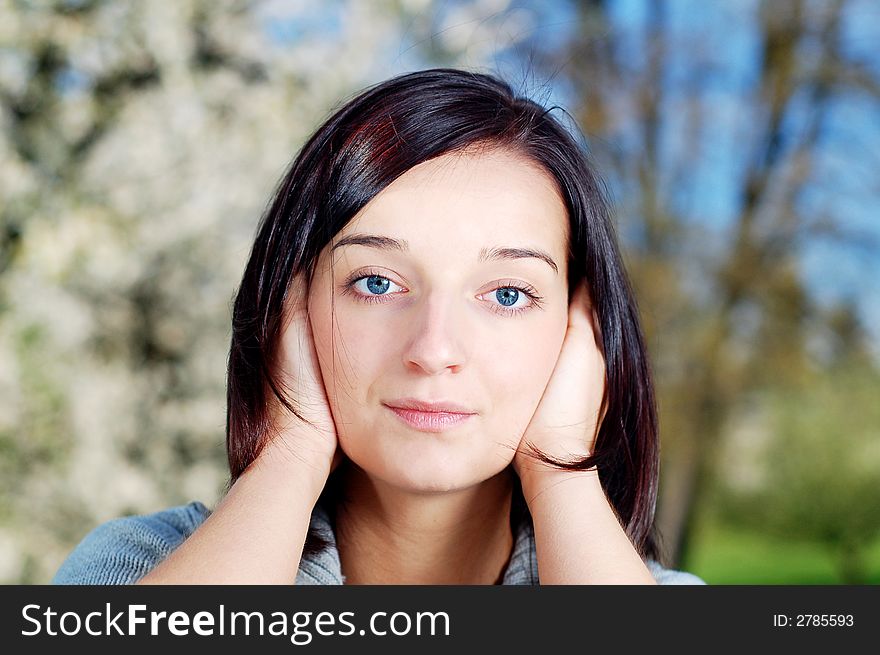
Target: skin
[(424, 503)]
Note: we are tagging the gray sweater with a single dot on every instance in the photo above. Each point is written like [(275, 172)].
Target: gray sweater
[(124, 550)]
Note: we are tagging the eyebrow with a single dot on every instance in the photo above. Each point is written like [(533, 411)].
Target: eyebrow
[(486, 254)]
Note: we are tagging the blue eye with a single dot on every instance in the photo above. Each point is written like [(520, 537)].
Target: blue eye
[(376, 285), (374, 288), (507, 296), (371, 288)]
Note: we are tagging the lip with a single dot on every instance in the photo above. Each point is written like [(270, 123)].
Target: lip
[(428, 416), (429, 421), (442, 406)]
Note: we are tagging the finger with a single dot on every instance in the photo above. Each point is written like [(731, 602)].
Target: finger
[(298, 294), (580, 309), (582, 315)]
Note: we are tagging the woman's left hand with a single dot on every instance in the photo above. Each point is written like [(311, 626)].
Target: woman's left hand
[(566, 420)]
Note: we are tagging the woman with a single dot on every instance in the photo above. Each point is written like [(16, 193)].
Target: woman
[(437, 374)]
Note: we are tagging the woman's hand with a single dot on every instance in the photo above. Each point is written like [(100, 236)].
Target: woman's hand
[(579, 538), (313, 439), (257, 532), (566, 420)]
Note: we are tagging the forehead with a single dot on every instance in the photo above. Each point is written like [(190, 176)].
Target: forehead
[(467, 200)]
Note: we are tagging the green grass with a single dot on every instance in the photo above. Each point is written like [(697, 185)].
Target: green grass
[(724, 555)]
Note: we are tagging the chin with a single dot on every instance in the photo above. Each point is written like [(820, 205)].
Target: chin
[(426, 476), (430, 475)]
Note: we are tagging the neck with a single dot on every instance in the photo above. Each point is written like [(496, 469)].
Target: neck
[(386, 535)]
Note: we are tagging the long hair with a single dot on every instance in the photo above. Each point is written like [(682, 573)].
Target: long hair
[(361, 149)]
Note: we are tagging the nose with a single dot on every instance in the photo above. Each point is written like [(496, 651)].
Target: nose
[(437, 340)]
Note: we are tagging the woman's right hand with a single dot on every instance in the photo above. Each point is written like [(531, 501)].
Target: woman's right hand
[(311, 438), (257, 532)]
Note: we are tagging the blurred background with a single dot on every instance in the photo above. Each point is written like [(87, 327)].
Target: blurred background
[(740, 140)]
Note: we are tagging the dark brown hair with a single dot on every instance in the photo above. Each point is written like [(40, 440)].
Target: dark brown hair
[(361, 149)]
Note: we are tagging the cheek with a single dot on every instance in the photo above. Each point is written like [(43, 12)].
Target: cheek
[(519, 375), (352, 352)]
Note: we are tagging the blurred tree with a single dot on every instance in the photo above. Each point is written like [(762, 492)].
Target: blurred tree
[(820, 471), (715, 125)]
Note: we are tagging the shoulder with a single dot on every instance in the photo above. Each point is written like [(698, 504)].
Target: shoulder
[(665, 576), (124, 550)]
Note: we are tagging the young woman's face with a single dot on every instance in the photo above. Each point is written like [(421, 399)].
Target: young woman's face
[(435, 306)]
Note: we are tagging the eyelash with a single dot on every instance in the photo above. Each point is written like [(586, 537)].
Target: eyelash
[(530, 292)]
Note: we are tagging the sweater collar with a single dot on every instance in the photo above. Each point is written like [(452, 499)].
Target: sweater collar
[(324, 567)]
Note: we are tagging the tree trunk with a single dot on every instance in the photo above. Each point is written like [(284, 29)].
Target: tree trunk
[(851, 562)]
